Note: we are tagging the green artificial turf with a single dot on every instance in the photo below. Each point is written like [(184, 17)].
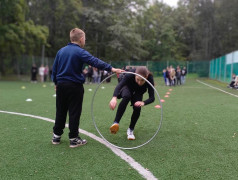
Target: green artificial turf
[(197, 139)]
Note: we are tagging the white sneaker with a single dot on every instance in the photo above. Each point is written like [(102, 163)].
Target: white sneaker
[(130, 134)]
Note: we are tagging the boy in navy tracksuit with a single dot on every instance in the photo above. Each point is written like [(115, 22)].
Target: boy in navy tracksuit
[(67, 75)]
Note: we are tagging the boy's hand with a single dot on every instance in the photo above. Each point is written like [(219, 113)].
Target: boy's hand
[(113, 103), (139, 104), (117, 70)]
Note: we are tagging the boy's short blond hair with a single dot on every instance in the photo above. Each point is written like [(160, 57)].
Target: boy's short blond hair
[(76, 34)]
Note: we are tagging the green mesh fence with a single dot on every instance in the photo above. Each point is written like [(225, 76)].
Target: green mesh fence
[(156, 67), (24, 64), (223, 67)]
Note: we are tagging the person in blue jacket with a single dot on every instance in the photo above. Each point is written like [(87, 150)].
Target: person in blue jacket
[(67, 74), (131, 88)]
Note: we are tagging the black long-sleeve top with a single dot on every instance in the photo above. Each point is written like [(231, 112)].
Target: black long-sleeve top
[(129, 81)]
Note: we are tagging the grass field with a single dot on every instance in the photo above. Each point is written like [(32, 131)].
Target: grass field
[(197, 139)]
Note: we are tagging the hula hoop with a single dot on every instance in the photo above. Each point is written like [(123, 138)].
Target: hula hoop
[(135, 147)]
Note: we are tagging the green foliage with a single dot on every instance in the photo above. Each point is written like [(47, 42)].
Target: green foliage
[(17, 35), (226, 26), (120, 30), (115, 36), (59, 16), (160, 38), (207, 27)]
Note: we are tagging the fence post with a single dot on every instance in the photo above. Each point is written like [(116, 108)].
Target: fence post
[(209, 75), (225, 69), (32, 60), (232, 60), (219, 68), (216, 69), (43, 54), (46, 61), (187, 66), (211, 69)]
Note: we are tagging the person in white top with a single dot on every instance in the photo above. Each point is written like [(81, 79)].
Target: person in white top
[(41, 73)]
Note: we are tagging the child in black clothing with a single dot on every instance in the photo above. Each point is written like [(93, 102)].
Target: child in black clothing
[(131, 88), (231, 85), (178, 76)]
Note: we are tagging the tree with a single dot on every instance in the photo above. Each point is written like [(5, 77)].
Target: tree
[(159, 34), (110, 26), (17, 36), (59, 16), (226, 26)]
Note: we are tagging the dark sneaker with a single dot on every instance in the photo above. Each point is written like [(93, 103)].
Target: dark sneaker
[(114, 128), (76, 142), (56, 139)]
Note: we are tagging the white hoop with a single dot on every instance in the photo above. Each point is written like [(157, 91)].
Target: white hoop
[(126, 72)]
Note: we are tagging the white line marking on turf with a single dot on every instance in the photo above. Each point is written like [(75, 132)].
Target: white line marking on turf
[(140, 169), (196, 87), (217, 88)]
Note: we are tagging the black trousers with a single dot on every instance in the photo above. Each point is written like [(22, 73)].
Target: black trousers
[(69, 98), (128, 96), (179, 81)]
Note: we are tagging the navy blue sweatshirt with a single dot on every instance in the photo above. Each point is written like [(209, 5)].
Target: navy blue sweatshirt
[(69, 61), (129, 81)]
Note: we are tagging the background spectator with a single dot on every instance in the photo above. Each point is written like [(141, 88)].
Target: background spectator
[(85, 73), (172, 76), (33, 73), (168, 76), (90, 74), (95, 75), (178, 75), (183, 75), (164, 76), (46, 73), (41, 73), (231, 85)]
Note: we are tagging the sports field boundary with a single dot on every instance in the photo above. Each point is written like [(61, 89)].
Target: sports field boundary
[(216, 88), (135, 165)]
